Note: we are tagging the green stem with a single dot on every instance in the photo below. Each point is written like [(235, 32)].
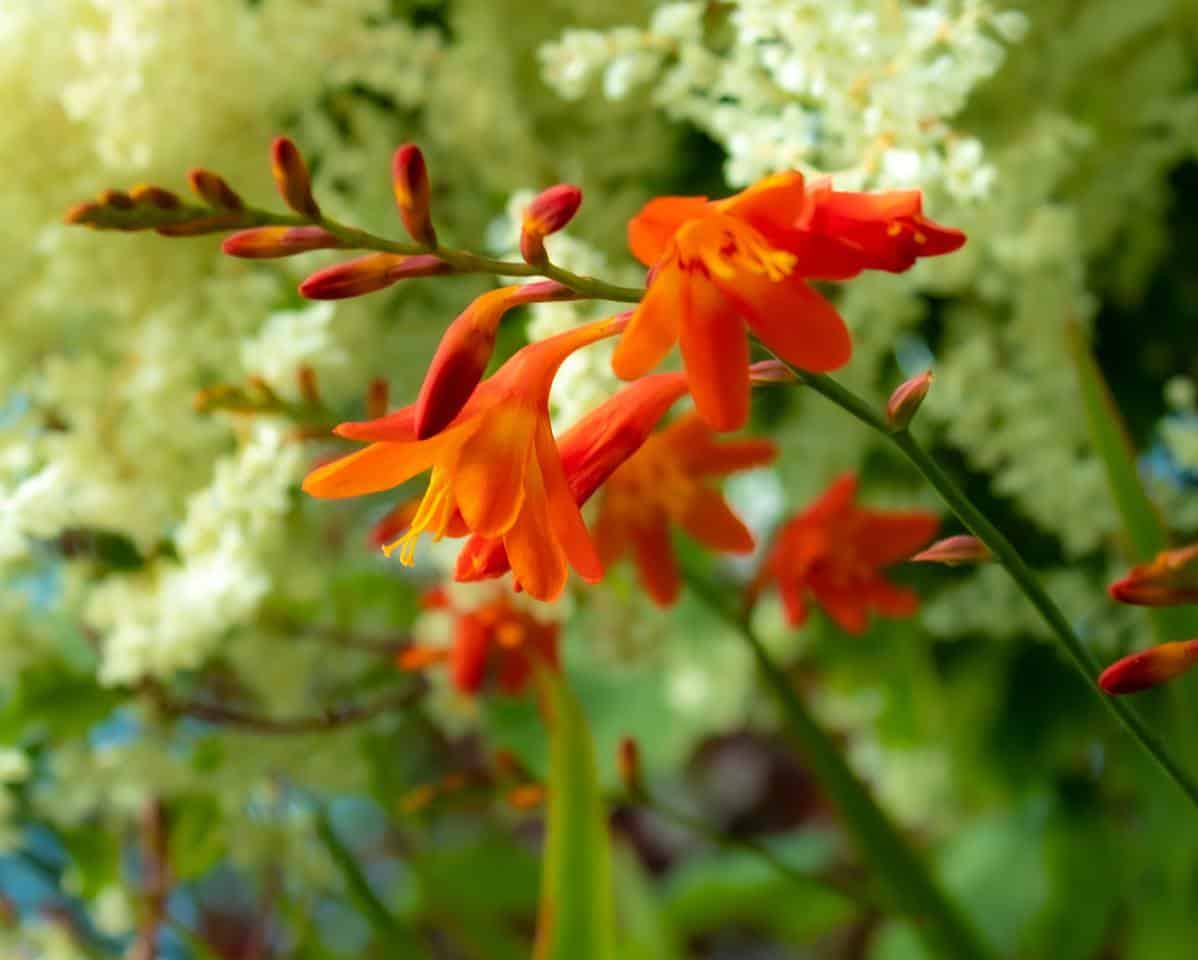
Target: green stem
[(907, 880), (977, 523), (465, 262)]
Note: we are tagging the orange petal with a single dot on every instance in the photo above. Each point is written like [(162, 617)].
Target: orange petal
[(396, 427), (537, 559), (847, 606), (792, 602), (834, 501), (482, 558), (564, 517), (772, 206), (488, 483), (715, 351), (891, 599), (610, 533), (468, 654), (708, 518), (378, 467), (655, 561), (884, 538), (650, 231), (794, 321), (653, 328)]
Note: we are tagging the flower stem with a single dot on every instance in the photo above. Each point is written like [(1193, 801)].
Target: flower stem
[(1009, 557), (907, 880)]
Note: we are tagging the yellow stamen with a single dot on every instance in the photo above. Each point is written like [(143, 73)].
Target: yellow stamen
[(434, 514)]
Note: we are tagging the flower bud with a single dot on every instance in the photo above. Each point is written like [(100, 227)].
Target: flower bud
[(465, 350), (155, 196), (378, 398), (551, 210), (955, 551), (409, 179), (415, 658), (526, 797), (1149, 668), (418, 798), (375, 271), (904, 403), (1170, 578), (628, 761), (213, 190), (291, 177), (269, 243), (309, 389), (770, 371)]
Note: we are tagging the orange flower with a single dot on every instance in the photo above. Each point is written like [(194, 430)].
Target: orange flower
[(663, 483), (590, 452), (834, 551), (718, 266), (496, 637), (1170, 578), (495, 469)]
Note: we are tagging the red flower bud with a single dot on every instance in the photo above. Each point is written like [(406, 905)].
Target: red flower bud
[(905, 402), (1149, 668), (375, 271), (770, 371), (628, 761), (155, 196), (213, 190), (955, 551), (1170, 578), (551, 210), (269, 243), (465, 349), (291, 177), (378, 398), (409, 179)]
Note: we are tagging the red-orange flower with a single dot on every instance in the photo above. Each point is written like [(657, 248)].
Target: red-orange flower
[(1170, 578), (495, 469), (496, 638), (663, 483), (834, 552), (718, 266), (590, 452)]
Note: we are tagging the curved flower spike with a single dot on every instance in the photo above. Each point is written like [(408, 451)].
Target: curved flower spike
[(590, 451), (495, 469), (465, 350), (1170, 578), (663, 484), (834, 552), (1149, 668)]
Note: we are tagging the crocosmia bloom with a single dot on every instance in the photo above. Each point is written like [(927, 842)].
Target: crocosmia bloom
[(663, 485), (495, 469), (719, 266), (1149, 668), (591, 451), (1171, 577), (834, 552), (494, 639)]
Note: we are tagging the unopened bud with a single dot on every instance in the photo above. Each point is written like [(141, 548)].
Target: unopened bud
[(375, 271), (526, 797), (955, 551), (465, 350), (551, 210), (269, 243), (155, 197), (309, 389), (904, 403), (770, 371), (418, 799), (378, 398), (1170, 578), (213, 190), (628, 760), (1149, 668), (291, 177), (409, 179), (415, 658)]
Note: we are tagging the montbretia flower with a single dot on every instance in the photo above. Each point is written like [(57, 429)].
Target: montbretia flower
[(495, 469), (661, 485), (1170, 578), (834, 553), (1149, 668), (719, 266), (591, 451), (466, 348), (497, 639)]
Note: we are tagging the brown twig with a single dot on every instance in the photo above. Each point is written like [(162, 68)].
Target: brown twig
[(156, 879)]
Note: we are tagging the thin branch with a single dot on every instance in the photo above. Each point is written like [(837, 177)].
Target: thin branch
[(156, 879)]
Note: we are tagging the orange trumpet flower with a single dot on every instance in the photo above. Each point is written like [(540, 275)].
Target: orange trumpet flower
[(590, 451), (496, 637), (663, 484), (719, 266), (495, 469), (834, 552)]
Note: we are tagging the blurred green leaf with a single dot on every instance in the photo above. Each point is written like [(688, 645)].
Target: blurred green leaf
[(56, 701), (646, 932), (197, 837), (577, 915)]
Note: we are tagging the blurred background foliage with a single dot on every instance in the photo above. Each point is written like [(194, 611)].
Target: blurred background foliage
[(194, 660)]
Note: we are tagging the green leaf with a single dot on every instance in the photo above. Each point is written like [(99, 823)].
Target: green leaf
[(577, 913), (646, 932)]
